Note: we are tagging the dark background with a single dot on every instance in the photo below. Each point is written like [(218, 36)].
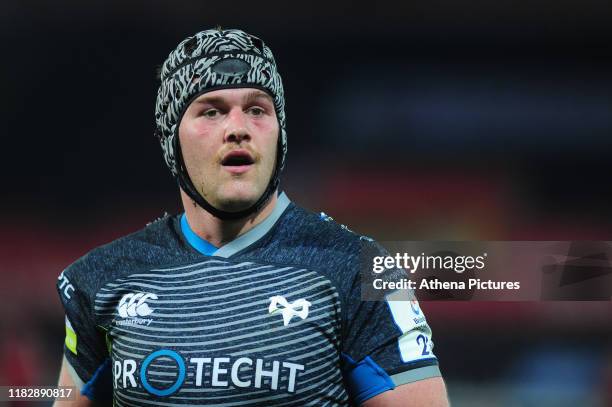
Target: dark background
[(437, 120)]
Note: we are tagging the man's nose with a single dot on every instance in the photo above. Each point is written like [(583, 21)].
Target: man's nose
[(237, 129)]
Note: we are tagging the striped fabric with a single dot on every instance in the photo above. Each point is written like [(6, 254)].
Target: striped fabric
[(232, 350)]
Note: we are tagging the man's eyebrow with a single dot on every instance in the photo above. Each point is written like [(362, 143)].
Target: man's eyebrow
[(209, 99), (257, 94), (248, 98)]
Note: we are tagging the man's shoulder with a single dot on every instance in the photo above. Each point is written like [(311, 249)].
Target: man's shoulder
[(321, 229), (153, 244), (311, 238)]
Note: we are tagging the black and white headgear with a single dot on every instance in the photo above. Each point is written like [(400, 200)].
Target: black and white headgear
[(211, 60)]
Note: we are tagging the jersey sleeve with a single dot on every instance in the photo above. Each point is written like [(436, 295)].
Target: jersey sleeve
[(84, 345), (386, 342)]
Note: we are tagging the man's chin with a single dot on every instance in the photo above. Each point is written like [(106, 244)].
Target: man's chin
[(237, 202), (236, 196)]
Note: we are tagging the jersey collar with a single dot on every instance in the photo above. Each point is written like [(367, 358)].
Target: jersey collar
[(201, 245), (242, 241)]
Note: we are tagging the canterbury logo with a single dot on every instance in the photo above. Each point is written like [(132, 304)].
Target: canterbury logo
[(134, 305), (297, 308)]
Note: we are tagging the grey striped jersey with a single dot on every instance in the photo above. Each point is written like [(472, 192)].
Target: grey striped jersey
[(273, 318)]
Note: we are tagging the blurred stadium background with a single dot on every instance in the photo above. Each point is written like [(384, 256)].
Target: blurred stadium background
[(407, 121)]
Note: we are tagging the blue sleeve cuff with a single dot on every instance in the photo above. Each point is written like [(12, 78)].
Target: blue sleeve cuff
[(99, 387), (365, 379)]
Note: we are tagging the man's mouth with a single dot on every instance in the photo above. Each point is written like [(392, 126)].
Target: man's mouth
[(237, 161)]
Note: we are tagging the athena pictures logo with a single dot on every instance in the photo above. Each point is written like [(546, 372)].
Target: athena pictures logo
[(134, 306)]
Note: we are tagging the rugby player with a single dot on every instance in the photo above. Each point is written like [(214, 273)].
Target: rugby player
[(245, 298)]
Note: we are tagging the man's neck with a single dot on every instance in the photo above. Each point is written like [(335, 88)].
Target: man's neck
[(219, 232)]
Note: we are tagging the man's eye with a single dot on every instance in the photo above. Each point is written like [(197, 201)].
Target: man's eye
[(211, 113), (256, 111)]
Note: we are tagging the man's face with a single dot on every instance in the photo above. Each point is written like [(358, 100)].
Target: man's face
[(228, 140)]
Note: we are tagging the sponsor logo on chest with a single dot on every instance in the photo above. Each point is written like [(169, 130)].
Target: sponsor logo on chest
[(133, 307), (223, 371)]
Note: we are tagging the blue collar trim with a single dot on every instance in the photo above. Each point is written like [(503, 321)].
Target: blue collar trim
[(241, 242), (194, 240)]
